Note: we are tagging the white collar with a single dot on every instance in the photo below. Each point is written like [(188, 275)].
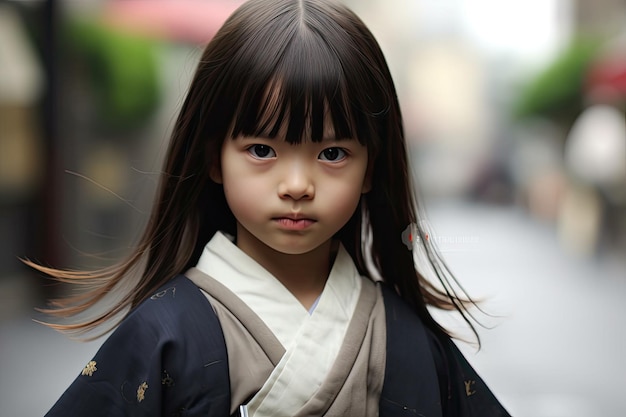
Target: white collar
[(267, 296)]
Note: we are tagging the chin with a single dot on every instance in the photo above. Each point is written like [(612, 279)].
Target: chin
[(293, 247)]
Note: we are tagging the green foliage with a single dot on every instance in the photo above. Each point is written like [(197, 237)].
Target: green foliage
[(122, 69), (557, 92)]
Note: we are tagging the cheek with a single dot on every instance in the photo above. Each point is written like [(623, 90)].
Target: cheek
[(245, 193), (242, 192), (342, 197)]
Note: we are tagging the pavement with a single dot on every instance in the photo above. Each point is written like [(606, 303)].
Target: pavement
[(553, 344)]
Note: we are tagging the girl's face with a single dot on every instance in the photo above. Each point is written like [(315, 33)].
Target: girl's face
[(291, 198)]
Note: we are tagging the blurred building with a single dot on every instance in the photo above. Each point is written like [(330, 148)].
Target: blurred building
[(22, 150), (88, 94), (601, 17)]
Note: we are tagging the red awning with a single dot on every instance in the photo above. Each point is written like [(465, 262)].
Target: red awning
[(607, 73), (194, 21)]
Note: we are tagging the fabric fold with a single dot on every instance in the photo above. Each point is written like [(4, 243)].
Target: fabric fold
[(296, 364)]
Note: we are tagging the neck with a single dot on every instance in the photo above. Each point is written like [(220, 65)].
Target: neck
[(304, 275)]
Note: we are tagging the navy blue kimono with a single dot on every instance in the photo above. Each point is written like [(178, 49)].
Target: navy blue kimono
[(168, 358)]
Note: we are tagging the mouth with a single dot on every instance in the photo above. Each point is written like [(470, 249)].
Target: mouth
[(294, 221)]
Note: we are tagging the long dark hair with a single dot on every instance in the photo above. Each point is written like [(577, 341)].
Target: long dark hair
[(278, 64)]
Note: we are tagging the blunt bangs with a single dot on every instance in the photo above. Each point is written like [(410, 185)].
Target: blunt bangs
[(299, 72)]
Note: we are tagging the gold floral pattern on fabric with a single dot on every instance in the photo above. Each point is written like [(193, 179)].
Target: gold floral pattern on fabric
[(89, 369), (166, 379), (141, 391), (468, 387)]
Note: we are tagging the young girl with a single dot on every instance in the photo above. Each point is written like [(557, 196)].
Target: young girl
[(275, 274)]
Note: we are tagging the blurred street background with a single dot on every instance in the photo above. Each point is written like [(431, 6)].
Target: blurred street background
[(515, 115)]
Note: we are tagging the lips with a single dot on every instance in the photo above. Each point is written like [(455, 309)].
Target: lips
[(294, 222)]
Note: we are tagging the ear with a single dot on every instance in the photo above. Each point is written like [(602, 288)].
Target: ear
[(216, 173)]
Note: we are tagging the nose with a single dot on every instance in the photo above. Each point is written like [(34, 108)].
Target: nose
[(296, 182)]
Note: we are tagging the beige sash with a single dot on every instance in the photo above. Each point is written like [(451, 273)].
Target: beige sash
[(284, 361), (354, 383)]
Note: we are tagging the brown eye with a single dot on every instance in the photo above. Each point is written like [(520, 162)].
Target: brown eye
[(261, 151), (332, 154)]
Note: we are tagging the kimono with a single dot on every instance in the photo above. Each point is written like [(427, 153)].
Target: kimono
[(208, 345)]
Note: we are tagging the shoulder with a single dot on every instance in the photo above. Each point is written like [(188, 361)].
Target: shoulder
[(173, 315), (179, 321), (167, 356), (420, 359), (177, 297), (174, 304)]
